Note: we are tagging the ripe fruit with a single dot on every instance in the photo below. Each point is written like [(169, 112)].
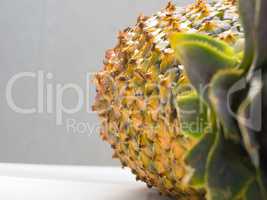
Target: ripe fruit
[(158, 120)]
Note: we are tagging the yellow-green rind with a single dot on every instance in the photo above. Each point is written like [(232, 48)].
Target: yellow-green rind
[(137, 97)]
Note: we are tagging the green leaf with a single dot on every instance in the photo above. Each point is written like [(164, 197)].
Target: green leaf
[(247, 13), (227, 91), (260, 34), (197, 159), (253, 16), (202, 57), (228, 170), (176, 38), (253, 191), (249, 120), (192, 114)]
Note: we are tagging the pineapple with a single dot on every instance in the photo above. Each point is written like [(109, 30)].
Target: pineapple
[(154, 116)]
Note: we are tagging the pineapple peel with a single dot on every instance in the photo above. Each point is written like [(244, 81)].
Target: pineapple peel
[(149, 86)]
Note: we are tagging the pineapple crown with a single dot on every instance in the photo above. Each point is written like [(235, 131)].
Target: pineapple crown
[(230, 161)]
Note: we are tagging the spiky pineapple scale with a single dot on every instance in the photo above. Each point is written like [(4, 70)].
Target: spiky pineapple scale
[(136, 93)]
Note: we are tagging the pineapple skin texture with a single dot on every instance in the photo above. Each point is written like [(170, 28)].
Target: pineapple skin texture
[(136, 93)]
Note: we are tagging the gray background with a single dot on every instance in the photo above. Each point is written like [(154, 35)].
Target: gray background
[(67, 38)]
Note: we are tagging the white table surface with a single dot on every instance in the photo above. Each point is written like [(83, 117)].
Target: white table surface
[(40, 182)]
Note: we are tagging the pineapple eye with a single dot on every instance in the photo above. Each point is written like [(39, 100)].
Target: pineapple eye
[(170, 134)]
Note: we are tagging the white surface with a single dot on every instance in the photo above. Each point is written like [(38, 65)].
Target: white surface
[(38, 182)]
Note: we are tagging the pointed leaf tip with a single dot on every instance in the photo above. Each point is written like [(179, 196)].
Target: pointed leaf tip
[(202, 56)]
